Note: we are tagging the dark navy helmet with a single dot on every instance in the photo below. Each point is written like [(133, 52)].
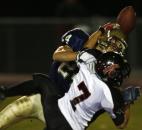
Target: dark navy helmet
[(75, 38)]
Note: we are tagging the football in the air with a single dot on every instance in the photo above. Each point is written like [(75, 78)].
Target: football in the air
[(127, 19)]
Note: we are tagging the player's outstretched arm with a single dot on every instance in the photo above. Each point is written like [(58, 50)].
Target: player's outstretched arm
[(65, 53), (91, 43)]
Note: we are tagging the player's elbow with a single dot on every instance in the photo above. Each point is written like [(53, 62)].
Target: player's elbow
[(57, 56)]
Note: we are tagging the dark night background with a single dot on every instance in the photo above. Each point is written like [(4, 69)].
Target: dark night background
[(48, 8), (30, 30)]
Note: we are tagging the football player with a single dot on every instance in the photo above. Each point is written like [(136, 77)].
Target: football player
[(34, 108), (88, 93), (30, 106)]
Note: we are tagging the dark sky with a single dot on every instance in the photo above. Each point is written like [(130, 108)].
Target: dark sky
[(48, 8)]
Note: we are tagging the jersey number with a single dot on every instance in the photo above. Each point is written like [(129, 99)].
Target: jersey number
[(82, 87), (68, 70)]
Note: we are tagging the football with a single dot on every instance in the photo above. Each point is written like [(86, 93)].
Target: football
[(127, 19)]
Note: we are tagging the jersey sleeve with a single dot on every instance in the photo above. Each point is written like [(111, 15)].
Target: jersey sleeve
[(107, 101), (89, 58)]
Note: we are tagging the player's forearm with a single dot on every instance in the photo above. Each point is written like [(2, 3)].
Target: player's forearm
[(65, 56), (91, 43), (64, 53), (126, 117)]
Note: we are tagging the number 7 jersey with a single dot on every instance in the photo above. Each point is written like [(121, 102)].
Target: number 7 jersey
[(87, 95)]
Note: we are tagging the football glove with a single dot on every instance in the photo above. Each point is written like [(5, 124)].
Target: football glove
[(130, 94), (110, 26)]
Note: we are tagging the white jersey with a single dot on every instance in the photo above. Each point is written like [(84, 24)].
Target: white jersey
[(87, 95)]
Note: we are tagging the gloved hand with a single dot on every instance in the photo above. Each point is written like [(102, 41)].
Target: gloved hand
[(104, 28), (130, 94), (110, 26)]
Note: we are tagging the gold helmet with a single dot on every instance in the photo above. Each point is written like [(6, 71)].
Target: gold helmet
[(113, 40)]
